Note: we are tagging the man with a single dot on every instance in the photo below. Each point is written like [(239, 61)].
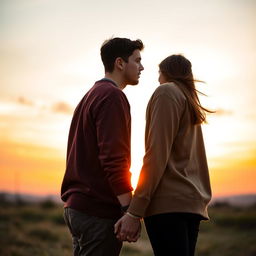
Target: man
[(96, 187)]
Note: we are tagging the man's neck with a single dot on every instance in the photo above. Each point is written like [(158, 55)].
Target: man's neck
[(117, 80)]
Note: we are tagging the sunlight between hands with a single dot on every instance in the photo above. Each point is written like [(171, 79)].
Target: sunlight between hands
[(128, 228)]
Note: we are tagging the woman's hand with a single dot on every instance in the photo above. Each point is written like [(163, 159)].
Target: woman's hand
[(128, 228)]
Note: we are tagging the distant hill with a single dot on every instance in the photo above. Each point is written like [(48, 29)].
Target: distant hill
[(28, 198), (235, 200)]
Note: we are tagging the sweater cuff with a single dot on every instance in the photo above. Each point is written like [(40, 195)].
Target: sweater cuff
[(122, 188), (121, 185), (138, 206)]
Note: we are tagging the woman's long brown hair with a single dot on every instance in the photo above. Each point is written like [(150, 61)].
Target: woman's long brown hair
[(178, 69)]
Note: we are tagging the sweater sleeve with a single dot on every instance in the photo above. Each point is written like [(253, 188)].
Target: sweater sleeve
[(113, 135), (161, 127)]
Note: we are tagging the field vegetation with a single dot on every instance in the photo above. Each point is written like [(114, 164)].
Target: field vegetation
[(38, 229)]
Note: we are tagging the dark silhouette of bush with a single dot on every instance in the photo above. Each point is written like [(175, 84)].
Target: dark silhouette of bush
[(48, 204), (32, 216), (58, 219), (44, 234)]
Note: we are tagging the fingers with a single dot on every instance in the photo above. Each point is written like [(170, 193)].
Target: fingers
[(117, 226), (127, 232), (136, 235), (133, 239), (122, 236)]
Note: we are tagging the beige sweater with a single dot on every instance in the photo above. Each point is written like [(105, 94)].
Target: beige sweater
[(174, 176)]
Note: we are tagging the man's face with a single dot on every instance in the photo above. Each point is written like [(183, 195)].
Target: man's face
[(133, 68)]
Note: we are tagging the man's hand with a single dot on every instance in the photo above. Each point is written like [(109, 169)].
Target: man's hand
[(128, 228)]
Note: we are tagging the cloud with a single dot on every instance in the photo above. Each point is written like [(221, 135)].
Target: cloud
[(58, 107), (24, 101), (223, 112), (62, 107), (15, 107)]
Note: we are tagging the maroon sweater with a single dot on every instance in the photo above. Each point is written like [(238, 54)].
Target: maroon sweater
[(98, 153)]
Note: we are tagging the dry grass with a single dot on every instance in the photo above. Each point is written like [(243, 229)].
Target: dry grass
[(39, 230)]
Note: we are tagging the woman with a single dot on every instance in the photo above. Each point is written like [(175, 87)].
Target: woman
[(174, 190)]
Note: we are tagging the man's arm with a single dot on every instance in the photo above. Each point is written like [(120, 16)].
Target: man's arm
[(125, 199), (113, 136)]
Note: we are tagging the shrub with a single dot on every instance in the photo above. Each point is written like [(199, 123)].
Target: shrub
[(32, 216), (44, 234), (48, 204)]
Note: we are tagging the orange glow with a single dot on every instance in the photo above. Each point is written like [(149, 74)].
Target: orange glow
[(27, 168), (30, 169), (234, 177), (48, 62)]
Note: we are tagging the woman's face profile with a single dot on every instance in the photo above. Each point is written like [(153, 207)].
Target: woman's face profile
[(161, 78)]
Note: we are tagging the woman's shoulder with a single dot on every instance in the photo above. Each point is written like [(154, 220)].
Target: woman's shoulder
[(169, 89)]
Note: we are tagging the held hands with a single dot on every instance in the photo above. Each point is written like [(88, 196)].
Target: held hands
[(128, 228)]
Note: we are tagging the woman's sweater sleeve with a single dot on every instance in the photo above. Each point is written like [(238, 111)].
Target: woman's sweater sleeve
[(162, 123)]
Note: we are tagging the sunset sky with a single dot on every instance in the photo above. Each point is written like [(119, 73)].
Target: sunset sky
[(49, 57)]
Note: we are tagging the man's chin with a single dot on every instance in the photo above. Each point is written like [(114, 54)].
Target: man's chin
[(134, 82)]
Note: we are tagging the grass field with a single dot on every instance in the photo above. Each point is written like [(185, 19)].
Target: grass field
[(39, 230)]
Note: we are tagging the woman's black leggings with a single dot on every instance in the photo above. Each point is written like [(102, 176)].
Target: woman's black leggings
[(173, 234)]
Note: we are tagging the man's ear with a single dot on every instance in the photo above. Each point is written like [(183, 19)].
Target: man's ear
[(119, 63)]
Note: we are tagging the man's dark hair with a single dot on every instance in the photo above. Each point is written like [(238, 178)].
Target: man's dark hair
[(118, 47)]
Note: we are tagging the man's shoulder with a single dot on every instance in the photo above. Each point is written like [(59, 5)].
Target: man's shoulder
[(107, 88), (105, 92)]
